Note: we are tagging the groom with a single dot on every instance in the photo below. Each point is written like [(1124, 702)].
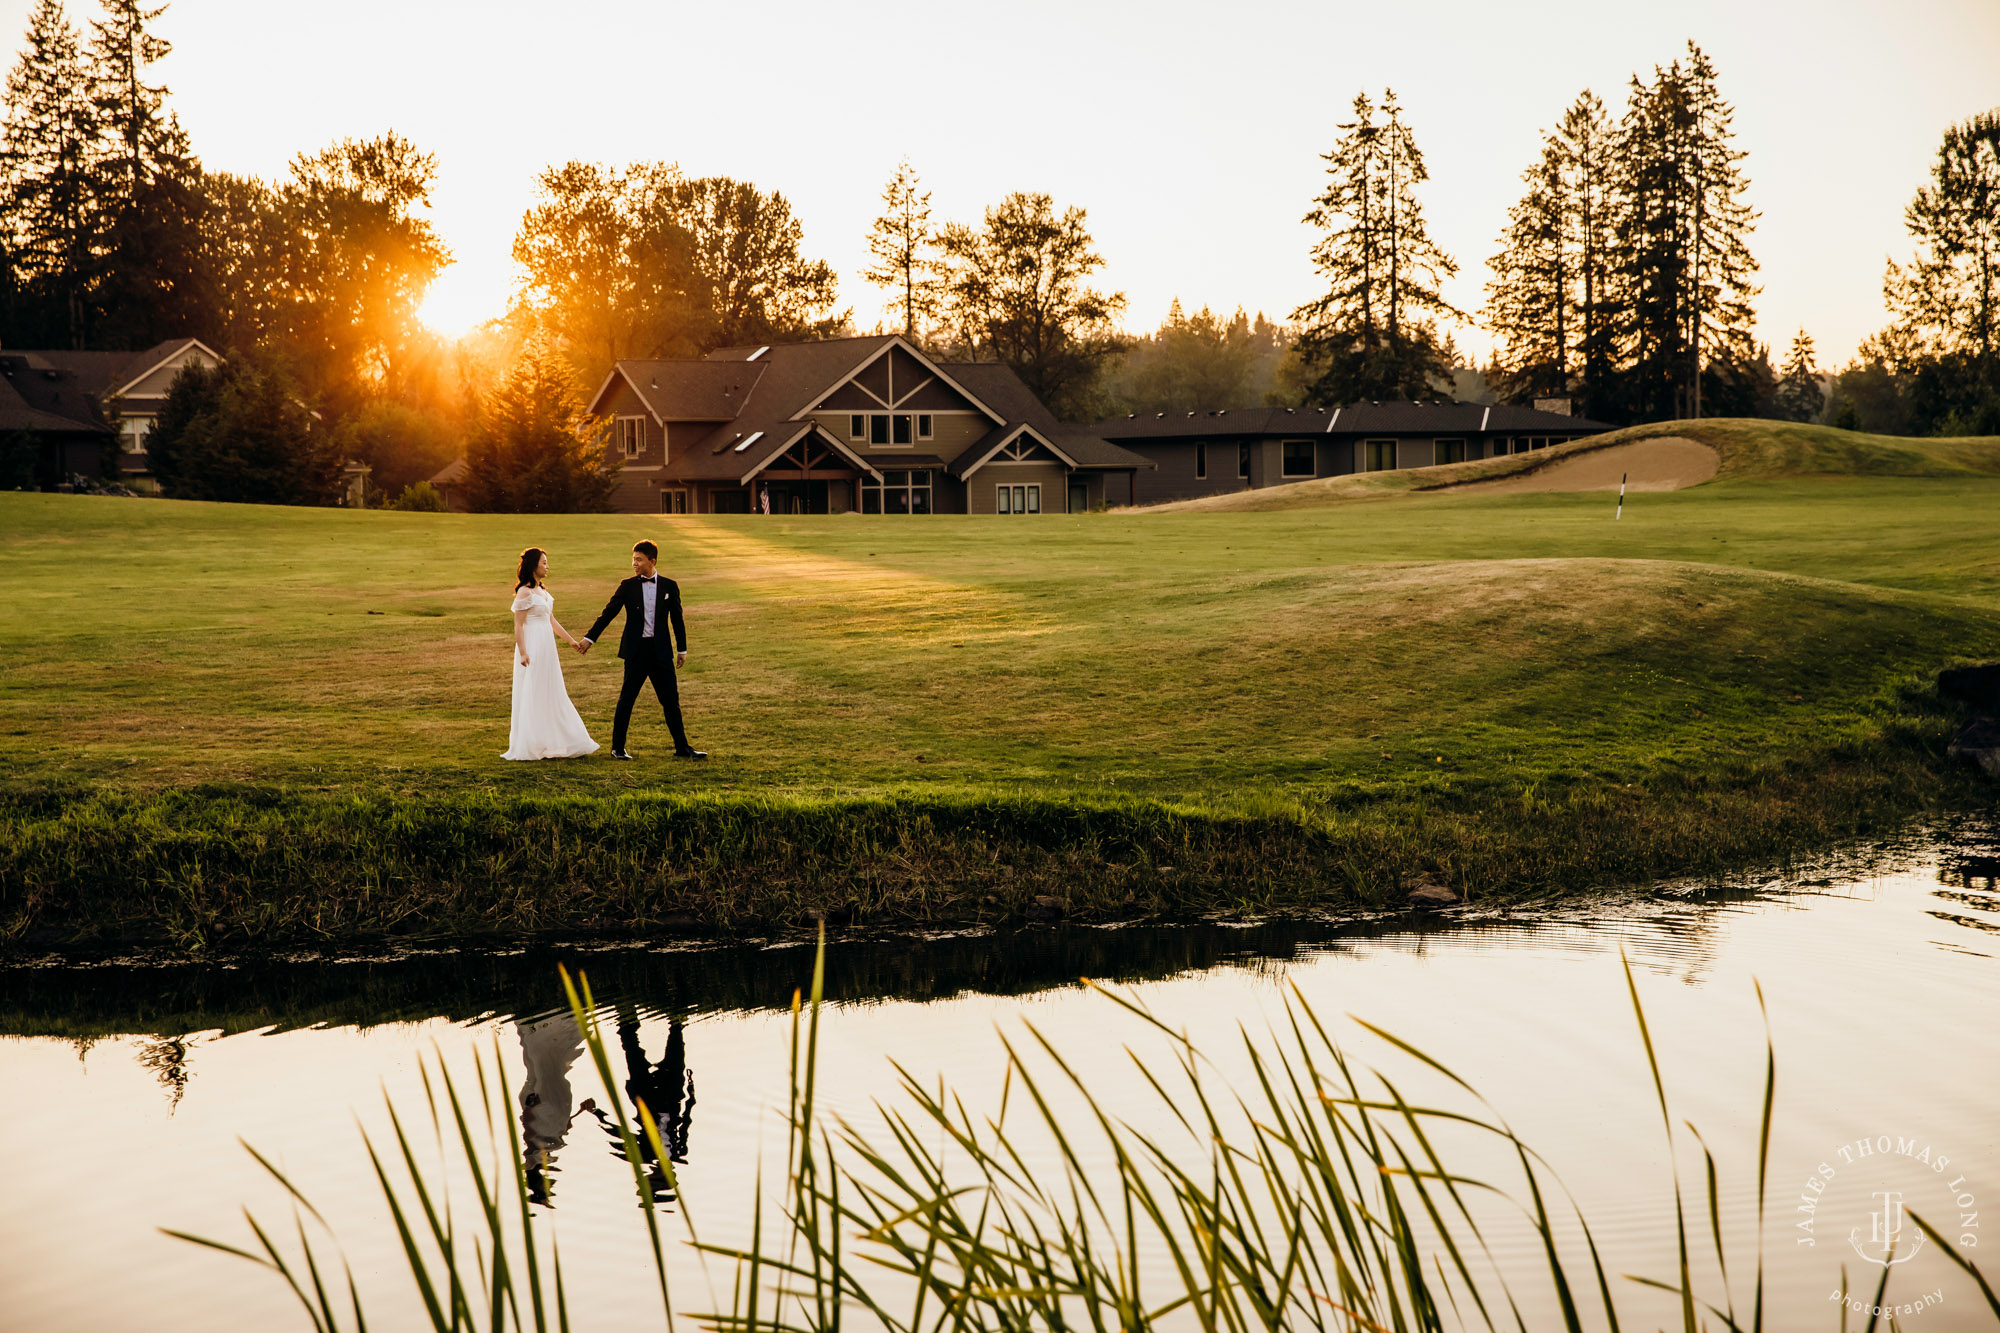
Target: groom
[(651, 602)]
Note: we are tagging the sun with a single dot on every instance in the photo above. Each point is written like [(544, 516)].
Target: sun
[(459, 301)]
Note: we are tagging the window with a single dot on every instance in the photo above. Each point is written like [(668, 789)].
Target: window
[(1381, 455), (135, 430), (893, 430), (1299, 458), (631, 435), (900, 492), (1017, 500), (1243, 461), (673, 502), (857, 426), (1450, 451), (1201, 462)]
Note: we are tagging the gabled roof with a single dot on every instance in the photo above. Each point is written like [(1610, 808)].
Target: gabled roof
[(1002, 389), (35, 395), (685, 390), (107, 374), (759, 399), (997, 439)]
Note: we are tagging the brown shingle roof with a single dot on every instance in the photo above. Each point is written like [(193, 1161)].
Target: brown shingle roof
[(688, 390), (35, 395), (1359, 418)]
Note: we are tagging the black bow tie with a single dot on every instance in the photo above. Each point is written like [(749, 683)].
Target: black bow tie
[(645, 578)]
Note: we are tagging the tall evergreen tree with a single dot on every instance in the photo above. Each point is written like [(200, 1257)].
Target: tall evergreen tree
[(1720, 333), (47, 145), (1551, 297), (535, 450), (904, 247), (1799, 395), (1948, 299), (1684, 283), (1531, 304), (1373, 334), (146, 183), (239, 433)]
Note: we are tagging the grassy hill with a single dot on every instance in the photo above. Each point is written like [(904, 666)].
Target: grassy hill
[(235, 723), (1749, 449)]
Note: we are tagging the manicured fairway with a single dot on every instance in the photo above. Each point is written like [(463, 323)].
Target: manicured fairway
[(1473, 651)]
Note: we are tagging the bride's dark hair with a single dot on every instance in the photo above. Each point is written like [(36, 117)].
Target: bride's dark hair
[(531, 560)]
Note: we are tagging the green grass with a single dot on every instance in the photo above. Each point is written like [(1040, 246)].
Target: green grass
[(236, 722)]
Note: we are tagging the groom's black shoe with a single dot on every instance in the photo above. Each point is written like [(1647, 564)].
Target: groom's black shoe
[(690, 754), (620, 754)]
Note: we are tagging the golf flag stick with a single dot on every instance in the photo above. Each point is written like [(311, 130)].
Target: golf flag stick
[(1621, 495)]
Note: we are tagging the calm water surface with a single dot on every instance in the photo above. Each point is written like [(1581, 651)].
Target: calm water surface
[(129, 1086)]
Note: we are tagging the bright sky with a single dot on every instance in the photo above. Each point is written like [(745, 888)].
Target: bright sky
[(1189, 131)]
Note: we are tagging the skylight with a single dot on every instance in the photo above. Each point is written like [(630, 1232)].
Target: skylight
[(755, 436), (759, 352)]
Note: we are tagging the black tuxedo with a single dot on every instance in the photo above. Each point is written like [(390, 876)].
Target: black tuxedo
[(646, 658), (630, 597)]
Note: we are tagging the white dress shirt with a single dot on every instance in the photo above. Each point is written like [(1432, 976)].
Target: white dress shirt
[(649, 596)]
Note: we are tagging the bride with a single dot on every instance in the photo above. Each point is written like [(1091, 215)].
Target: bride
[(546, 725)]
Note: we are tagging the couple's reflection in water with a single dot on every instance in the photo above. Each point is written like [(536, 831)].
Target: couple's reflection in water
[(550, 1046)]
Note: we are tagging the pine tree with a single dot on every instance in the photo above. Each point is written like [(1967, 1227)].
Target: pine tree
[(47, 146), (905, 247), (1586, 142), (1720, 335), (1684, 285), (1531, 303), (1373, 334), (1549, 300), (535, 450), (1799, 395), (1948, 299), (146, 183)]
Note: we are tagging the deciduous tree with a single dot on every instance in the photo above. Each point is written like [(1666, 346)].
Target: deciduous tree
[(1018, 291)]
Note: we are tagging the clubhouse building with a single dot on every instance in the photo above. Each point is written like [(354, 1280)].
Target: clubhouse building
[(868, 425), (1214, 453)]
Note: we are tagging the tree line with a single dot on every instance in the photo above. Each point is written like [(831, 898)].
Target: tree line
[(1623, 280)]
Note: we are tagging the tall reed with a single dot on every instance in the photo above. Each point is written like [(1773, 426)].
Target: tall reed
[(1314, 1196)]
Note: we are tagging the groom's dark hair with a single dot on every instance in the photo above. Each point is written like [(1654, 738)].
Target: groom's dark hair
[(647, 549)]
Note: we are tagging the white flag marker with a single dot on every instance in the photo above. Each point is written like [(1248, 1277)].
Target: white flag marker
[(1621, 495)]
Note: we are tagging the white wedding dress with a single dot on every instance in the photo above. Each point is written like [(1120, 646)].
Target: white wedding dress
[(546, 725)]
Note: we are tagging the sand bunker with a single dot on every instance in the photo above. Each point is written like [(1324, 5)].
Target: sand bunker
[(1664, 464)]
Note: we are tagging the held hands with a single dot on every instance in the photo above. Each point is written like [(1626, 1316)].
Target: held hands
[(524, 657), (581, 645)]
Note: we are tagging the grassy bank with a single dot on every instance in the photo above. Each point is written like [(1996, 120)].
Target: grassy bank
[(224, 723)]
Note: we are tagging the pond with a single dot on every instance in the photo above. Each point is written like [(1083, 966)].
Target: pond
[(132, 1082)]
